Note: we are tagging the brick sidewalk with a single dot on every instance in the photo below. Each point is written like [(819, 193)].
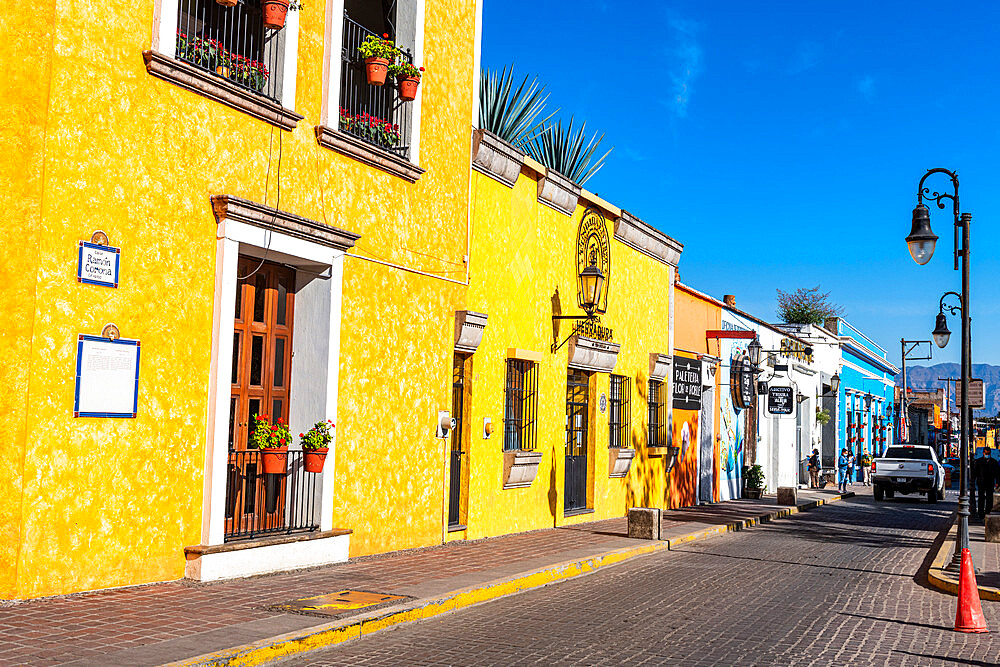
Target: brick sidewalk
[(177, 620)]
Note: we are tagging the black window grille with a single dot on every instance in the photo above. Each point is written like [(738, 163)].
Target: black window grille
[(231, 43), (259, 503), (374, 114), (620, 411), (657, 435), (520, 405)]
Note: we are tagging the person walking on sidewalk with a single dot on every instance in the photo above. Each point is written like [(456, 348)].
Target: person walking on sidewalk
[(866, 467), (814, 469), (850, 468), (986, 471), (842, 470)]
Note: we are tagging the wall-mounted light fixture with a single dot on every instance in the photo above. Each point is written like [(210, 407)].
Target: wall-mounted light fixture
[(487, 427), (591, 284), (444, 424)]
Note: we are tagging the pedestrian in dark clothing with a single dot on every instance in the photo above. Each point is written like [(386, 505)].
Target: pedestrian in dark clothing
[(814, 468), (986, 472)]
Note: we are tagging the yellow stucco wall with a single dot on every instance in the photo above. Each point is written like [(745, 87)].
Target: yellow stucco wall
[(523, 263), (111, 502)]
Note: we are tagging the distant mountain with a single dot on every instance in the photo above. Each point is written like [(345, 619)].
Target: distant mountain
[(926, 377)]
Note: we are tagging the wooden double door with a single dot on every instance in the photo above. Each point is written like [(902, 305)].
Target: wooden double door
[(261, 378)]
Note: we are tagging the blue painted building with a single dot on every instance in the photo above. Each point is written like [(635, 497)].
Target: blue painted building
[(864, 401)]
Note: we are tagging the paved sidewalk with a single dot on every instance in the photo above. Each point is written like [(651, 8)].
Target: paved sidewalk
[(985, 559), (197, 623)]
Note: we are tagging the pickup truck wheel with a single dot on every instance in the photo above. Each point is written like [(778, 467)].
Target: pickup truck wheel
[(878, 492), (932, 496), (890, 492)]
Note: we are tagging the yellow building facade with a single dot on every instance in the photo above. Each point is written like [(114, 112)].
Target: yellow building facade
[(199, 174), (282, 254)]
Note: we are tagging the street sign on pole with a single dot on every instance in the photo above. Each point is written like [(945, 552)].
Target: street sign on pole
[(977, 395)]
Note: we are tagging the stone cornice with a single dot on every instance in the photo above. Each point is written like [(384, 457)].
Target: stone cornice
[(648, 240), (558, 192), (216, 88), (494, 157), (227, 207), (362, 151)]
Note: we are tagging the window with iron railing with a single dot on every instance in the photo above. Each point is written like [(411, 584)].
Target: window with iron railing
[(520, 405), (620, 410), (657, 428), (373, 114), (232, 44)]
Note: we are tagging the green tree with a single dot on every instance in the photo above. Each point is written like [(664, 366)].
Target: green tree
[(806, 306)]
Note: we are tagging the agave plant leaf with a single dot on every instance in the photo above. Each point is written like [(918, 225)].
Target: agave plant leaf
[(568, 151), (508, 112)]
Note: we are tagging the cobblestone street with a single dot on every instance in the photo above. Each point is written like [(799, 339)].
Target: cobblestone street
[(842, 585)]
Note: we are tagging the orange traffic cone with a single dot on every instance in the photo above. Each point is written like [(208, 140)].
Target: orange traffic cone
[(970, 612)]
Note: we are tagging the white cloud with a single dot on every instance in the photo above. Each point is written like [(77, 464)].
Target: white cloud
[(866, 86), (687, 55), (807, 56)]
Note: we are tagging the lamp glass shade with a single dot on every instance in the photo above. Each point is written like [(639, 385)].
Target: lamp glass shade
[(592, 281), (941, 333), (835, 383), (921, 240), (754, 350)]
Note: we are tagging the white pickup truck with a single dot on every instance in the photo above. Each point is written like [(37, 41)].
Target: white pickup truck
[(908, 469)]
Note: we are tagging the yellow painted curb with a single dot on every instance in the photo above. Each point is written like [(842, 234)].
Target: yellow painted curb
[(331, 634), (942, 580)]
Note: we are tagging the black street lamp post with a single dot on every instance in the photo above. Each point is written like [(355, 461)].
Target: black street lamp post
[(921, 242)]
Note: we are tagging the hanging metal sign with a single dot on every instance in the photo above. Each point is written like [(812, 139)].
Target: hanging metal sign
[(741, 382), (780, 400), (593, 248), (687, 383)]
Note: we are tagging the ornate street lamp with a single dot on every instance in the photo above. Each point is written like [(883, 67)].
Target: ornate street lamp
[(834, 383), (592, 281), (754, 349), (921, 243), (591, 285), (941, 333)]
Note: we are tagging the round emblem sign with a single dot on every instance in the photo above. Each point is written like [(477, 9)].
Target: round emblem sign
[(741, 382), (593, 248)]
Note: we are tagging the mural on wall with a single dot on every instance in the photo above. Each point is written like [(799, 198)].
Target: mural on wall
[(684, 476), (731, 434)]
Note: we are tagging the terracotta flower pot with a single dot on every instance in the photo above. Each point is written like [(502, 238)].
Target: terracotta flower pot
[(274, 13), (275, 460), (408, 88), (315, 458), (376, 68), (222, 71), (227, 3)]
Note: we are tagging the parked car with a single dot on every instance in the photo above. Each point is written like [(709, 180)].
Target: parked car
[(908, 469)]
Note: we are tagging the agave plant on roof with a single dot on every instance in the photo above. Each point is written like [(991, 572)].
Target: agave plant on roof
[(508, 112), (567, 150)]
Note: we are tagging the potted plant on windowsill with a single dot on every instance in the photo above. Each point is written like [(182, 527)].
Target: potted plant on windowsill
[(754, 481), (315, 445), (275, 12), (272, 441), (407, 79), (378, 52)]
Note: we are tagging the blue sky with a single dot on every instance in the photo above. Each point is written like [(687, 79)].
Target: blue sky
[(782, 142)]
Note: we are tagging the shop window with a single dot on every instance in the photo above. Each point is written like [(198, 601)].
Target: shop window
[(620, 410), (657, 433), (520, 405)]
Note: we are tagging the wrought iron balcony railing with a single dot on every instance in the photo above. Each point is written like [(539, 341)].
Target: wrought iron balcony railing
[(259, 503), (374, 114), (231, 43)]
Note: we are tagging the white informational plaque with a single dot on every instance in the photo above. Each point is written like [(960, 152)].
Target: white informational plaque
[(107, 377)]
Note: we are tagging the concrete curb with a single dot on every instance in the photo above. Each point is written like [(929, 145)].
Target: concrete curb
[(330, 634), (942, 580)]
